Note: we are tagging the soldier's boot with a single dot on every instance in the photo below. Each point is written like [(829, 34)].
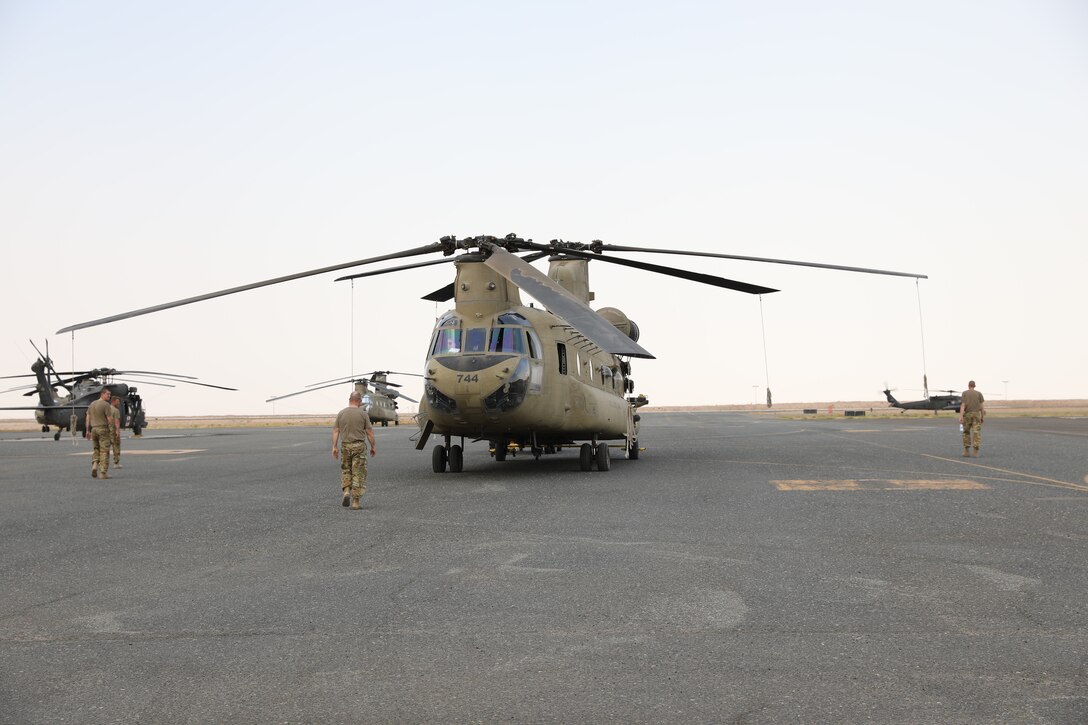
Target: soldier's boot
[(974, 452), (105, 474), (94, 469), (966, 452), (347, 496), (355, 503), (117, 464)]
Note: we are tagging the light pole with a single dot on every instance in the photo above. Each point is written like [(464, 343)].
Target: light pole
[(1006, 389)]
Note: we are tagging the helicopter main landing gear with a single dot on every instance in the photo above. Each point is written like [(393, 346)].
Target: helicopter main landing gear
[(590, 453), (453, 455)]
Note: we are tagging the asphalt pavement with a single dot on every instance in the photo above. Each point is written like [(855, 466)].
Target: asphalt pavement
[(745, 569)]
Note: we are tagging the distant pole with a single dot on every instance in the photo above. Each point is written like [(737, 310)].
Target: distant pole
[(1006, 382)]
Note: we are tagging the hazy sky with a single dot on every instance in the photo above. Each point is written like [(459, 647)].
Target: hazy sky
[(155, 151)]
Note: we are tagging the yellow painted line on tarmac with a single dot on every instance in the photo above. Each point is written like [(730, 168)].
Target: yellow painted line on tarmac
[(164, 452), (879, 484), (1038, 480)]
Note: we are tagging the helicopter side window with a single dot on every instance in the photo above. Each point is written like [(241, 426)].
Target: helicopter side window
[(506, 339), (561, 350), (446, 341), (534, 344), (475, 339), (512, 318)]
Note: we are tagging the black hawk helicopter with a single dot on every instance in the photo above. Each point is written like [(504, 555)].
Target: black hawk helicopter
[(379, 395), (67, 411), (521, 377), (935, 403)]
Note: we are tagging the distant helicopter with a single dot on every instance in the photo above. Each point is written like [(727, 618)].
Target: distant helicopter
[(379, 403), (524, 377), (932, 402), (67, 412)]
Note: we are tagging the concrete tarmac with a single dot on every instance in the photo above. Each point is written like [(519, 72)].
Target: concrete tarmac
[(745, 569)]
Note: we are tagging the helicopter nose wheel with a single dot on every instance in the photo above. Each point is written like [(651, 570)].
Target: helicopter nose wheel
[(452, 455), (56, 436)]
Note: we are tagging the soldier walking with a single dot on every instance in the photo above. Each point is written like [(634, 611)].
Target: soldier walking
[(115, 430), (96, 426), (349, 438), (972, 415)]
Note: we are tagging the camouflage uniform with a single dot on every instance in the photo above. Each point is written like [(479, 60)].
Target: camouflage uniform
[(972, 419), (353, 461), (353, 425), (99, 417), (115, 435)]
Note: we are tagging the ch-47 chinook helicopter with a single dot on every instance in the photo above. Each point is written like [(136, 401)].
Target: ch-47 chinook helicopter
[(932, 402), (67, 411), (379, 395), (519, 376)]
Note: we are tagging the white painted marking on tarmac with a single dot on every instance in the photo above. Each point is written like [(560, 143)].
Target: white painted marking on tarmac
[(1004, 581), (163, 452), (509, 565), (877, 484)]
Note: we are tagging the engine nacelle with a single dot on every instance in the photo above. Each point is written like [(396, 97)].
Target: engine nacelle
[(620, 321)]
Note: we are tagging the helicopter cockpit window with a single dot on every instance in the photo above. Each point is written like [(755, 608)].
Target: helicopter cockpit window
[(446, 341), (475, 339), (512, 318), (506, 339)]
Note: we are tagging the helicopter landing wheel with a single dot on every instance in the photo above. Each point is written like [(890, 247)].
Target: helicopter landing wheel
[(500, 451), (438, 459), (457, 459), (536, 453), (585, 457), (632, 449), (45, 429), (604, 462), (56, 436)]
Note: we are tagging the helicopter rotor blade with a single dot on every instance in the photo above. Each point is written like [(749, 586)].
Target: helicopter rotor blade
[(578, 314), (171, 378), (141, 382), (32, 388), (45, 358), (709, 279), (151, 372), (437, 246), (395, 269), (600, 246), (368, 377), (331, 384)]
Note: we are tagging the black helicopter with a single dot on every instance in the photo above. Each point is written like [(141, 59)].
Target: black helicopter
[(379, 395), (932, 402), (67, 411)]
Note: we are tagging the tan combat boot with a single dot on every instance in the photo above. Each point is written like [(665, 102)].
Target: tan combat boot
[(347, 497), (355, 503), (966, 452)]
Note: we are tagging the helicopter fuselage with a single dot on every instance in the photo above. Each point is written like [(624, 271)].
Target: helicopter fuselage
[(507, 373)]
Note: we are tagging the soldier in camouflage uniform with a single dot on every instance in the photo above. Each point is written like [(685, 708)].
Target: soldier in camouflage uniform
[(96, 426), (349, 438), (115, 431), (972, 415)]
